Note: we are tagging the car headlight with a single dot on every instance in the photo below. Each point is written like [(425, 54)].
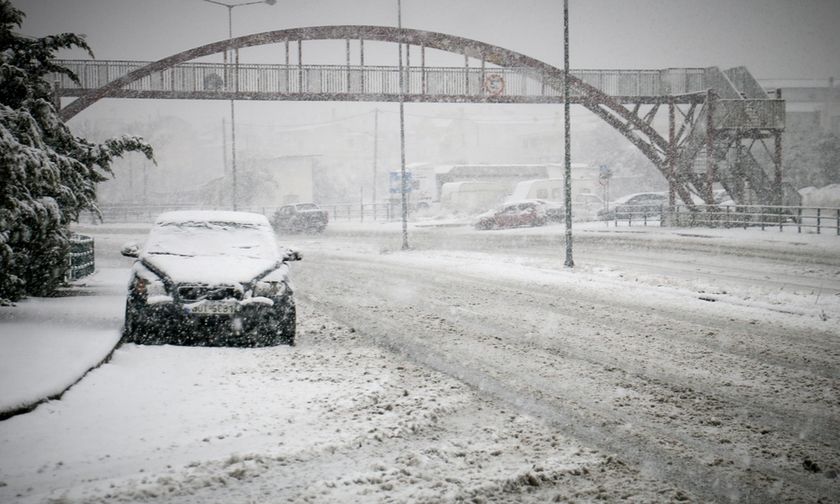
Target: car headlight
[(269, 288), (144, 287)]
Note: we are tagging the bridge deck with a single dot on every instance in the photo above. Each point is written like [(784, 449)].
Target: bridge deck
[(423, 84)]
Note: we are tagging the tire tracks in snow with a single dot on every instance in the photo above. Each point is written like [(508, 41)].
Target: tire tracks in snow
[(594, 424)]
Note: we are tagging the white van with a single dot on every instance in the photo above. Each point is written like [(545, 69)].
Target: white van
[(471, 197)]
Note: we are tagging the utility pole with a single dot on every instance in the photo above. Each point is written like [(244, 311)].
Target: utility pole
[(402, 135), (131, 194), (568, 155), (231, 75), (375, 152), (233, 150), (224, 161), (145, 183)]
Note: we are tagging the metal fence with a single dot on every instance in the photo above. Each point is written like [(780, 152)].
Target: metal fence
[(81, 261), (337, 212), (819, 220)]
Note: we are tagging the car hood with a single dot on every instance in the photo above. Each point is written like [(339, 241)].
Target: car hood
[(211, 270)]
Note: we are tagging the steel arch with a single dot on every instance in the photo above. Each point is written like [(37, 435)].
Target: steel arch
[(634, 128)]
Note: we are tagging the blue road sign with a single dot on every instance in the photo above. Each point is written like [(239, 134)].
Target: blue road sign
[(394, 184)]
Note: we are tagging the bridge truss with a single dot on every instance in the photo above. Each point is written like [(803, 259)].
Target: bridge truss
[(722, 127)]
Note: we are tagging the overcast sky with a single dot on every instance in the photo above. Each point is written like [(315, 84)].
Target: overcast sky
[(773, 38)]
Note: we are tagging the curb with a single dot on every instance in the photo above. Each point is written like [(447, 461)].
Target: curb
[(26, 408)]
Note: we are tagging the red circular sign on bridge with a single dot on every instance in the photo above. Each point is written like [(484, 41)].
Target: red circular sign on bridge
[(494, 84)]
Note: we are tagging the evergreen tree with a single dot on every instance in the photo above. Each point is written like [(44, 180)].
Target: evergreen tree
[(48, 176)]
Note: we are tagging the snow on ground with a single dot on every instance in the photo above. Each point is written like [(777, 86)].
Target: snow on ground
[(662, 264), (340, 419), (49, 343), (322, 422)]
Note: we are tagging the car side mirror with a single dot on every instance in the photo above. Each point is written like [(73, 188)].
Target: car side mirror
[(131, 250), (293, 255)]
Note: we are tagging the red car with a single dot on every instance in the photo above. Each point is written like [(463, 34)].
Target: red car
[(520, 214)]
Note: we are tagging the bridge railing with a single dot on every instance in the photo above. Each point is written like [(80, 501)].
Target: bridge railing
[(281, 78), (757, 114), (744, 81)]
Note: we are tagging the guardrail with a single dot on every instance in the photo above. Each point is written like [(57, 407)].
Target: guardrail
[(338, 211), (819, 220), (81, 261)]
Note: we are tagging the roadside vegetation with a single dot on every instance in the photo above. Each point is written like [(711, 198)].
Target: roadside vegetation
[(48, 176)]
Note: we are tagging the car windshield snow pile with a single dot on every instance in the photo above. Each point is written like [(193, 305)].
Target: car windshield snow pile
[(214, 238)]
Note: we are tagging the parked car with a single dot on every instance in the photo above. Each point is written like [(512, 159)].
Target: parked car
[(585, 206), (210, 278), (635, 206), (520, 214), (300, 218)]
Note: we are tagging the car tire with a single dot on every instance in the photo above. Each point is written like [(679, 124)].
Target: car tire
[(484, 225), (287, 325), (140, 329), (130, 329)]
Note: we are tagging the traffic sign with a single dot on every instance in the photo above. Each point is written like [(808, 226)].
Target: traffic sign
[(394, 179)]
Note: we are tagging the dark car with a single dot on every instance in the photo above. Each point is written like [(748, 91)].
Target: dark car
[(635, 206), (300, 218), (210, 278), (520, 214)]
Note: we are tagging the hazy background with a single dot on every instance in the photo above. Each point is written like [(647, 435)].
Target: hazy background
[(774, 39)]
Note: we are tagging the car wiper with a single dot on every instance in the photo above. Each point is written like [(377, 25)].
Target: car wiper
[(171, 253)]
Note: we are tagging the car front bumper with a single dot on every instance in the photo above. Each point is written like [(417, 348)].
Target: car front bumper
[(172, 322)]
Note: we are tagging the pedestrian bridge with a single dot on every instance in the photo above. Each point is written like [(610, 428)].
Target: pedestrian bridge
[(711, 113)]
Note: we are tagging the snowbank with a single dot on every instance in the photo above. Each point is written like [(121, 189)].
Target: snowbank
[(50, 343)]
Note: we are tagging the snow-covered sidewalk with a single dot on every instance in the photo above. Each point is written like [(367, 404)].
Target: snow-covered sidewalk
[(48, 344)]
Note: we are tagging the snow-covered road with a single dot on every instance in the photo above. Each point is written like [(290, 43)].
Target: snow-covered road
[(719, 384), (475, 368)]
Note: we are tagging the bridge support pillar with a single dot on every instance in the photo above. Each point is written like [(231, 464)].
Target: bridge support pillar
[(672, 162), (710, 147), (777, 162)]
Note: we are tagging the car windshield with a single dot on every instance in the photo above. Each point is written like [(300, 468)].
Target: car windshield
[(307, 206), (208, 238)]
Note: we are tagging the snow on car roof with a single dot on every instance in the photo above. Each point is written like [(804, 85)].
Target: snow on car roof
[(536, 201), (627, 197), (179, 216)]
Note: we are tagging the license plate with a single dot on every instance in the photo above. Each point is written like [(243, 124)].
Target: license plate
[(213, 309)]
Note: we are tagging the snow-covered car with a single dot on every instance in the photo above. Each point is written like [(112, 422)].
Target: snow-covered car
[(635, 206), (585, 206), (210, 278), (300, 218), (520, 214)]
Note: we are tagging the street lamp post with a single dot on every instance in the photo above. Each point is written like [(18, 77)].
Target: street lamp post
[(402, 134), (230, 8), (568, 143)]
